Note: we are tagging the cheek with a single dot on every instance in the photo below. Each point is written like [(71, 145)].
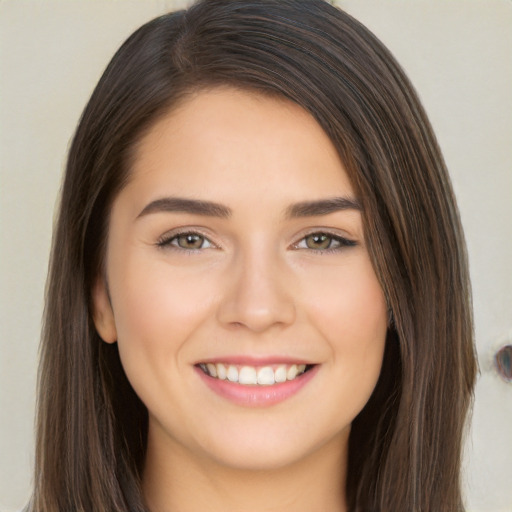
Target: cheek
[(157, 308), (348, 300), (351, 314)]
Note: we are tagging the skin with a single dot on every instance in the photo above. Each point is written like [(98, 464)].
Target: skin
[(257, 286)]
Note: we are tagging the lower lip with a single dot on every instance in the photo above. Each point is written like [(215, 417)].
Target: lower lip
[(257, 396)]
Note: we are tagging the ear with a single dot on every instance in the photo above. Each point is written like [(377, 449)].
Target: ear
[(103, 315)]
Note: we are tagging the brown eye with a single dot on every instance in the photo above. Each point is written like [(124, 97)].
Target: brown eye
[(319, 241), (324, 242), (190, 241)]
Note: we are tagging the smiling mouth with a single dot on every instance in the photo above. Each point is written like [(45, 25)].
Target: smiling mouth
[(255, 375)]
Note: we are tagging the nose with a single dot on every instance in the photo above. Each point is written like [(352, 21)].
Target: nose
[(258, 294)]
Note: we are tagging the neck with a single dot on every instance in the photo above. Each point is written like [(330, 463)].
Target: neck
[(178, 482)]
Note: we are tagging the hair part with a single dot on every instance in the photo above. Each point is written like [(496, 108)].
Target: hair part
[(405, 445)]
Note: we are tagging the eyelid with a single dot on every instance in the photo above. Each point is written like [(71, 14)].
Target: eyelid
[(164, 241), (344, 241)]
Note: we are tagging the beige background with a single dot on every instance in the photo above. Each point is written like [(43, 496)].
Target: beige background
[(458, 53)]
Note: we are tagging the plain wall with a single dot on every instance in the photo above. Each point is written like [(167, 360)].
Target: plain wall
[(458, 54)]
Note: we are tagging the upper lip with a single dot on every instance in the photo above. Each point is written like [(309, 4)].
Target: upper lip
[(241, 360)]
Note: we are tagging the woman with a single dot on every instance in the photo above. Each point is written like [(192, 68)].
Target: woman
[(258, 296)]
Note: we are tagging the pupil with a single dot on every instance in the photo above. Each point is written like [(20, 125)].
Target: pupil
[(191, 241), (319, 241)]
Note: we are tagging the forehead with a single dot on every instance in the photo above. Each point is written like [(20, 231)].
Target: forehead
[(239, 141)]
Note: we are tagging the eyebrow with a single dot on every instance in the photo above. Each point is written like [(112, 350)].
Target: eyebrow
[(211, 209), (322, 207), (182, 205)]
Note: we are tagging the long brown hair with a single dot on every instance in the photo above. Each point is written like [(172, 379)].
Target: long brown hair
[(405, 446)]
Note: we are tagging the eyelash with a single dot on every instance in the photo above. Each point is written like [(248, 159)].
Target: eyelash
[(342, 243), (166, 241)]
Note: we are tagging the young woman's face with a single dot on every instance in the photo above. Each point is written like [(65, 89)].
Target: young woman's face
[(236, 252)]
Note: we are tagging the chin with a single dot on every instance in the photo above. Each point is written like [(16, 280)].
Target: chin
[(272, 451)]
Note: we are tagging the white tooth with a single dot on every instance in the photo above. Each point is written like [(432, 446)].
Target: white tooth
[(232, 374), (266, 376), (301, 368), (203, 367), (292, 372), (211, 369), (221, 371), (280, 374), (247, 375)]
